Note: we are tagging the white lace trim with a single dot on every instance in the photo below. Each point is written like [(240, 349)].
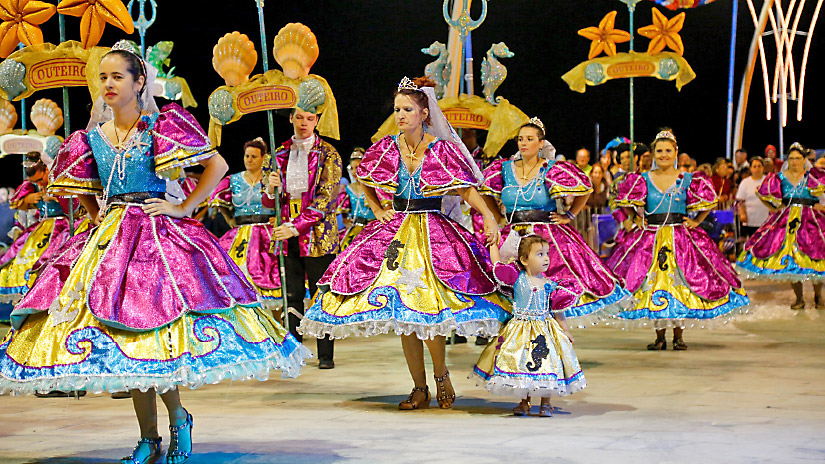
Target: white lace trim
[(484, 328), (522, 388)]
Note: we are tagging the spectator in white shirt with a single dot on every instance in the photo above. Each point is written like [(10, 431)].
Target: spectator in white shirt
[(752, 212)]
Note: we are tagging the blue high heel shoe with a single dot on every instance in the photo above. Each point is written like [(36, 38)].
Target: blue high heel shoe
[(135, 458), (174, 452)]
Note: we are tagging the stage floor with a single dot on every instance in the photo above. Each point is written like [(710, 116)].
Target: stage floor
[(752, 392)]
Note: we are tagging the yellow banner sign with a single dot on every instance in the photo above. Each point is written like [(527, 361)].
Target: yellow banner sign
[(58, 72), (463, 118), (667, 66), (267, 98)]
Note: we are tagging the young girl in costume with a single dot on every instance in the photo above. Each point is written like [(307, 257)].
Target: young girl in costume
[(528, 185), (414, 271), (40, 241), (674, 269), (790, 245), (533, 354), (238, 197), (147, 301)]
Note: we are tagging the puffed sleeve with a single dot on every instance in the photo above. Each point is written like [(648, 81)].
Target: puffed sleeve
[(506, 274), (222, 196), (25, 189), (632, 191), (701, 196), (446, 169), (178, 141), (770, 191), (74, 171), (493, 179), (566, 179), (816, 181), (379, 167)]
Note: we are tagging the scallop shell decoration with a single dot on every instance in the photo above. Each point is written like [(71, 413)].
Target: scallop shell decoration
[(234, 57), (46, 116), (296, 50), (8, 116)]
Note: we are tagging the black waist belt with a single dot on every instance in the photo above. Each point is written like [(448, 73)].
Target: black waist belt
[(531, 215), (134, 197), (361, 221), (799, 201), (252, 219), (408, 205), (665, 219)]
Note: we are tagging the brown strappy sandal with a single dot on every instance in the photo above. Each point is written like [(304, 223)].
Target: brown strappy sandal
[(409, 404), (444, 401)]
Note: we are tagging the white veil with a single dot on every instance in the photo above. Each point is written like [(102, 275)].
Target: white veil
[(441, 128), (102, 113)]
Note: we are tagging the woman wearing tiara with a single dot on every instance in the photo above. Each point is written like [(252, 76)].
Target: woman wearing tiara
[(676, 272), (148, 301), (789, 245), (238, 197), (41, 240), (414, 271), (528, 185)]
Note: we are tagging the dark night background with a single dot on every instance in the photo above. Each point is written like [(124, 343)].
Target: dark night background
[(366, 46)]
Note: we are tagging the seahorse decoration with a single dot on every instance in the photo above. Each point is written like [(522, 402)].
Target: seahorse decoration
[(538, 353), (493, 73), (439, 70), (392, 254), (793, 225), (661, 257), (158, 56)]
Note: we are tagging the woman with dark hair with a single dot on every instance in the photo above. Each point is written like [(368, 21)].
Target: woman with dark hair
[(238, 197), (752, 212), (147, 301), (789, 245), (677, 274), (41, 240), (530, 185), (414, 271)]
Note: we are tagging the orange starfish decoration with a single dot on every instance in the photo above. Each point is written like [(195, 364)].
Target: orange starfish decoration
[(21, 19), (664, 32), (604, 38), (94, 15)]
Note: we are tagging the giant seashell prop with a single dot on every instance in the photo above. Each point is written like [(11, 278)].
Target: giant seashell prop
[(8, 116), (296, 50), (46, 116), (12, 74), (234, 57)]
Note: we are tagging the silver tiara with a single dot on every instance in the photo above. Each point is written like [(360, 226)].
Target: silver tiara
[(537, 122), (31, 164), (407, 84), (124, 45), (665, 135)]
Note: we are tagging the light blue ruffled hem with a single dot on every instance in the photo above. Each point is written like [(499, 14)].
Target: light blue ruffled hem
[(792, 272), (483, 318), (107, 368), (676, 314)]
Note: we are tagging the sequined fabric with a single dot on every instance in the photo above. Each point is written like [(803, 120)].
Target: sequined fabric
[(531, 356), (419, 273), (789, 246), (596, 294), (677, 274)]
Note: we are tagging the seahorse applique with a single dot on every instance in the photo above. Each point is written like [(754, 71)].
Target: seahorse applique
[(793, 225), (239, 250), (538, 353), (661, 257), (392, 254)]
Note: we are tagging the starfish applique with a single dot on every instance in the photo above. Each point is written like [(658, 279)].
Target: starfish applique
[(21, 23), (605, 37), (664, 32), (60, 313), (94, 15), (412, 279)]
